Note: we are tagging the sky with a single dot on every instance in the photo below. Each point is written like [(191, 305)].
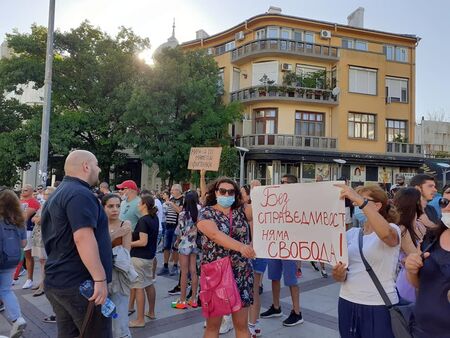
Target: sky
[(429, 20)]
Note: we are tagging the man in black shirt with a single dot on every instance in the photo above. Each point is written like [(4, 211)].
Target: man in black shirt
[(76, 238)]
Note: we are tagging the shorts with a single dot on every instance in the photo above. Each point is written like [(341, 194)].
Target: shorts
[(143, 268), (169, 238), (282, 266), (29, 241), (188, 251), (259, 265)]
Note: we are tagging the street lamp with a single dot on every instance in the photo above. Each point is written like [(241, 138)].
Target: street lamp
[(445, 169), (242, 152), (340, 162)]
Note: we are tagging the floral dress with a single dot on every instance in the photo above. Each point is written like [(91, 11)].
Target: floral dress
[(242, 268), (187, 230)]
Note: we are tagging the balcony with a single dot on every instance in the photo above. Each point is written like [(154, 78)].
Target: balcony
[(281, 93), (265, 47), (287, 141), (395, 148)]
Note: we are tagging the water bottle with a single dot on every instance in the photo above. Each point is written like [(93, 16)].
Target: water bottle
[(108, 309)]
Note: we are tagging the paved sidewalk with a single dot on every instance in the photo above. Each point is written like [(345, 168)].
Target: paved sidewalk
[(318, 301)]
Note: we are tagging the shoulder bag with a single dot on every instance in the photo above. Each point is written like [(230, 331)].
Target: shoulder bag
[(219, 293), (400, 314)]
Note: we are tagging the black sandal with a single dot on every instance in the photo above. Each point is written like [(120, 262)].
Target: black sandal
[(130, 312), (50, 319)]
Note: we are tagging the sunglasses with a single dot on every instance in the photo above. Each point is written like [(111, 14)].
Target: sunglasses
[(443, 202), (229, 192)]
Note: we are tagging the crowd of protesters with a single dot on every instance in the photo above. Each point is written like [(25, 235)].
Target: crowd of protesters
[(111, 236)]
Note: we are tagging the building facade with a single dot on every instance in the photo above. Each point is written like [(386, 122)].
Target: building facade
[(318, 93)]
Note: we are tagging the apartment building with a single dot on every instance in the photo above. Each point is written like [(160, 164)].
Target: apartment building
[(320, 99)]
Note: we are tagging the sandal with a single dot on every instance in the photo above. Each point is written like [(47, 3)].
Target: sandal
[(150, 317), (130, 312), (50, 319), (135, 325), (38, 293)]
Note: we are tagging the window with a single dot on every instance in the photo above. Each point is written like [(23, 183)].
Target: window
[(286, 33), (309, 124), (268, 70), (311, 76), (361, 125), (266, 121), (396, 131), (363, 80), (229, 46), (297, 36), (401, 54), (354, 44), (396, 89), (220, 82), (361, 45), (272, 32), (260, 34), (309, 37), (395, 53)]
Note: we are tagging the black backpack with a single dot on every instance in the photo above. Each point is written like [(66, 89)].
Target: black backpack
[(10, 248)]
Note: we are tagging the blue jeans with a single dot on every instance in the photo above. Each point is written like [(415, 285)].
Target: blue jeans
[(120, 324), (7, 295)]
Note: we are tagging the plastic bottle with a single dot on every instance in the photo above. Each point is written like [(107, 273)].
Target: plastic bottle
[(108, 309)]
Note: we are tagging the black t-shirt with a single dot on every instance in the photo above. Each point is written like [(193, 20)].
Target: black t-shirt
[(432, 310), (149, 225), (71, 207), (432, 214)]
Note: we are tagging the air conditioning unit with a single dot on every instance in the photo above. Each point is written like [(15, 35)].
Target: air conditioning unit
[(286, 67), (325, 34), (239, 36)]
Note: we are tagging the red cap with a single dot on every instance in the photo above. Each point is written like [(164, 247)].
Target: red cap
[(130, 184)]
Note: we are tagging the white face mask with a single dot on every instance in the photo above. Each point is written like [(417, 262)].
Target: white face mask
[(446, 219)]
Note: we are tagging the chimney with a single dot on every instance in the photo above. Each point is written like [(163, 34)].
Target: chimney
[(356, 18), (201, 34), (274, 10)]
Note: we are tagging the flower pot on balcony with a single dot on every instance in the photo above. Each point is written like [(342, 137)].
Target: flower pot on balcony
[(262, 91), (282, 91), (291, 91), (309, 93), (273, 90)]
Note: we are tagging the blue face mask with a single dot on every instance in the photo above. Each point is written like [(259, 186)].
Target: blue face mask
[(225, 201)]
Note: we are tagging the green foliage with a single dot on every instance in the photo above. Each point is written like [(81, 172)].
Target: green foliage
[(176, 106), (441, 154), (93, 75)]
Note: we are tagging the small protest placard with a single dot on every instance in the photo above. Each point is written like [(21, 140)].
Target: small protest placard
[(299, 222), (207, 158)]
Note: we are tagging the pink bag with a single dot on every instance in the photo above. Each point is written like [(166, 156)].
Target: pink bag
[(219, 293)]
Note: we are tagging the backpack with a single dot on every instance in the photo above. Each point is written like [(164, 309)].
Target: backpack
[(10, 248)]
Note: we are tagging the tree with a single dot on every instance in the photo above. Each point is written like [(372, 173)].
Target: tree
[(92, 83), (176, 106)]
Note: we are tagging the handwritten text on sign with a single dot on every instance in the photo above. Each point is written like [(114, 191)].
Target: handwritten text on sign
[(299, 222), (207, 158)]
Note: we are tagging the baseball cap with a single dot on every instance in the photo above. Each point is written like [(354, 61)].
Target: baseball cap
[(130, 184)]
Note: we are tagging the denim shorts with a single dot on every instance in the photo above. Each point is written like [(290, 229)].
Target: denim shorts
[(259, 265), (169, 238), (288, 268)]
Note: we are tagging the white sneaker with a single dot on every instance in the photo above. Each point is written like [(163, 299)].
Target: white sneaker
[(28, 284), (226, 326), (17, 329)]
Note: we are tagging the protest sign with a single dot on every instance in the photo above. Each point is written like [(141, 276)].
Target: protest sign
[(299, 222), (207, 158)]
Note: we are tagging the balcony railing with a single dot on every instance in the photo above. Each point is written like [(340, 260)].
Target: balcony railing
[(287, 141), (260, 93), (298, 48), (404, 149)]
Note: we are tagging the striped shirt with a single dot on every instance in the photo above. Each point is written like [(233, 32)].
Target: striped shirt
[(172, 215)]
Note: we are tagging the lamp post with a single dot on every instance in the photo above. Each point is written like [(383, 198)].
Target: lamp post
[(242, 152), (445, 169), (340, 162), (43, 157)]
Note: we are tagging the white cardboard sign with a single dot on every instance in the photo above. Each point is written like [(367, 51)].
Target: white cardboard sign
[(299, 222)]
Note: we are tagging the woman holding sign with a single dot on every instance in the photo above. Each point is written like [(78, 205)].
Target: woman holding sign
[(225, 233), (362, 311)]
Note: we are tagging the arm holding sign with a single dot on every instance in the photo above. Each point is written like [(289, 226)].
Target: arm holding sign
[(210, 230), (203, 189), (371, 209), (340, 272)]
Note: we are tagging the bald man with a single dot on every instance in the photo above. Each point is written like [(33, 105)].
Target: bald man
[(78, 245)]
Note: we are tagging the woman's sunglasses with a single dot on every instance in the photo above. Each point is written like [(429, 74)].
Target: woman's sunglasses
[(229, 192)]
